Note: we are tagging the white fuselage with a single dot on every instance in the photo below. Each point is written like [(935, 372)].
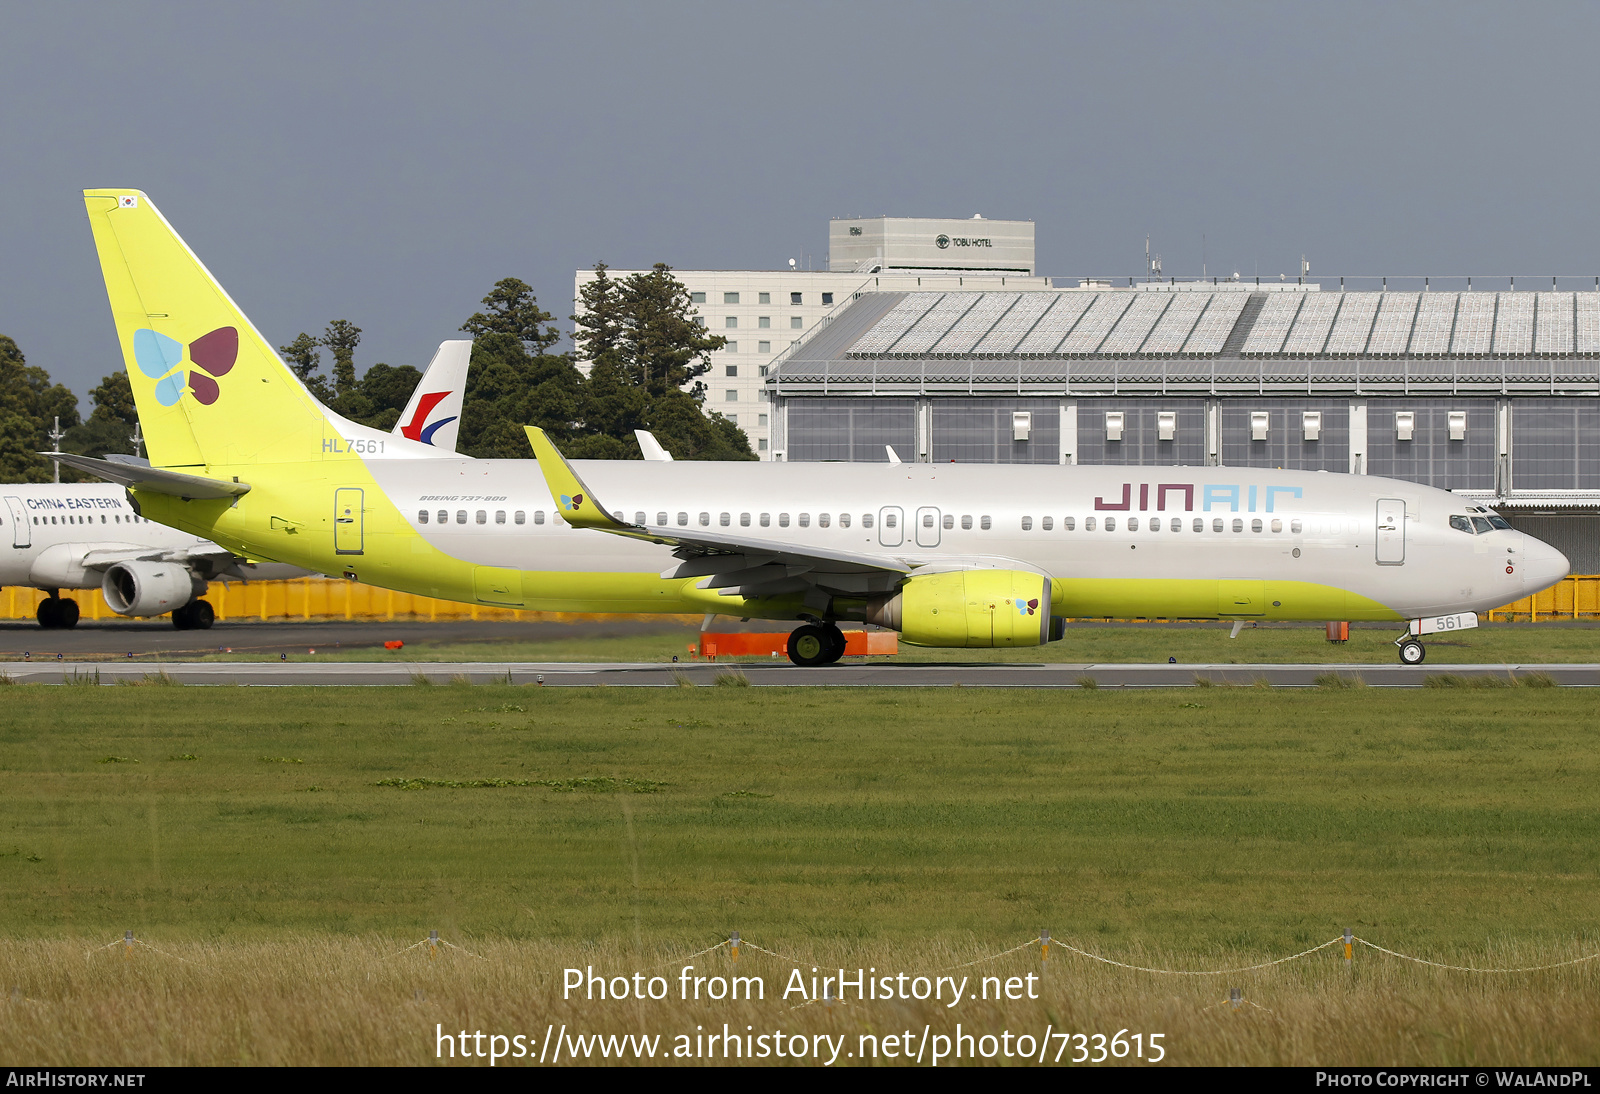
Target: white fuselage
[(48, 531), (1069, 522)]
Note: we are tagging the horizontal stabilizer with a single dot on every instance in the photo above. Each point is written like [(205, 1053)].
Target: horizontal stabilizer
[(179, 485)]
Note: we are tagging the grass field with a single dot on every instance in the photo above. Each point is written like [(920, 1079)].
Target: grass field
[(289, 838), (1497, 643)]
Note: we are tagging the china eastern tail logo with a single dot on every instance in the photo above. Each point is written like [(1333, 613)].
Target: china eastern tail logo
[(1027, 607), (415, 429), (571, 502), (161, 358)]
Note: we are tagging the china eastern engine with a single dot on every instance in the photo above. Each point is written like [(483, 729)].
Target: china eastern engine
[(974, 608), (149, 588)]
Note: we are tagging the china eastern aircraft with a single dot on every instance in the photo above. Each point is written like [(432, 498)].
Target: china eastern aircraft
[(948, 555), (89, 536)]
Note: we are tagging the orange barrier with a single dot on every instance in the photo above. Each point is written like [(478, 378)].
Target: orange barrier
[(311, 598), (1571, 598), (740, 644), (330, 598)]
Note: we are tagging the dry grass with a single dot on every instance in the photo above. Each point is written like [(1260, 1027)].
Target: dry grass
[(326, 1000)]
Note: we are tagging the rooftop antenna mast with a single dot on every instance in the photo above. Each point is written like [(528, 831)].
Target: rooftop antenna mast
[(55, 435), (1152, 263), (137, 440)]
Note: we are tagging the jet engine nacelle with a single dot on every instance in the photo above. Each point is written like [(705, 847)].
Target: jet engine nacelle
[(149, 588), (973, 608)]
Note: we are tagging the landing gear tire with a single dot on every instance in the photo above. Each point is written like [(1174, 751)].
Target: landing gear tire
[(49, 613), (183, 618), (813, 645), (67, 614), (1412, 652), (201, 616)]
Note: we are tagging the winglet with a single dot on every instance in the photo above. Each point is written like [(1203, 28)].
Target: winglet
[(574, 501)]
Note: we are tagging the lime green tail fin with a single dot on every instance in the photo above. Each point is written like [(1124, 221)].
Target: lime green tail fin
[(209, 388)]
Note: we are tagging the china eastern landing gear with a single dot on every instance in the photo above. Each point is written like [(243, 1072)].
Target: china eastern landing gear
[(194, 616), (815, 644), (57, 614), (1411, 650)]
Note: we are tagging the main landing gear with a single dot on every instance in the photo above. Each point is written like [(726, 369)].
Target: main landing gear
[(194, 616), (57, 614), (816, 644)]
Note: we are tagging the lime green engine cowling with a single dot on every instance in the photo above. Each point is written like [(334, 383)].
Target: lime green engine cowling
[(972, 608)]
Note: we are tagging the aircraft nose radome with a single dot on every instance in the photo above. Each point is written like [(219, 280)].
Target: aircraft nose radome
[(1542, 565)]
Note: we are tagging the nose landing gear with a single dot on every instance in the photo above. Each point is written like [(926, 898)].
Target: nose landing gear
[(815, 644), (1412, 652)]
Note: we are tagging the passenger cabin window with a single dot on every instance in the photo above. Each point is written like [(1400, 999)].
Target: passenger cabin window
[(520, 517), (444, 517), (1088, 524), (461, 516), (1294, 526), (1133, 524), (966, 522), (844, 520), (1027, 524), (949, 522), (1111, 524), (822, 520), (1255, 525), (866, 520), (499, 516), (1216, 524), (483, 516), (683, 519), (783, 520), (705, 520), (1069, 524), (1047, 523), (744, 520), (538, 516), (1277, 525), (985, 523), (805, 520), (1238, 524), (724, 519), (422, 517), (890, 520), (661, 518), (638, 518), (766, 520)]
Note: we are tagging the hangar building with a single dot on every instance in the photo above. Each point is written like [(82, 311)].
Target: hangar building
[(1495, 395)]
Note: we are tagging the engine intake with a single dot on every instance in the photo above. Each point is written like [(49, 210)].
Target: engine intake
[(970, 608), (149, 588)]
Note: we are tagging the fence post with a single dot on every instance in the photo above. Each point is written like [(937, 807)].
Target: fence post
[(1236, 997), (1044, 945), (1349, 958), (433, 945), (127, 945), (733, 941)]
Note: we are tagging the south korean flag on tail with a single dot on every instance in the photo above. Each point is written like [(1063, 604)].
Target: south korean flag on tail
[(128, 201)]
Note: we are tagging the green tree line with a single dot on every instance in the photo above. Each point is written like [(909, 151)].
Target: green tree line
[(645, 350)]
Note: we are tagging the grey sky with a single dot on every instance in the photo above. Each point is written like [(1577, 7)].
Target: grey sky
[(386, 163)]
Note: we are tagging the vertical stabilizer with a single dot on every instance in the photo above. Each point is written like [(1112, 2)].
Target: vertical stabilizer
[(209, 388), (433, 416)]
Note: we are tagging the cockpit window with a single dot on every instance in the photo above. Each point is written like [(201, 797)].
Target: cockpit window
[(1497, 521), (1462, 524), (1481, 525)]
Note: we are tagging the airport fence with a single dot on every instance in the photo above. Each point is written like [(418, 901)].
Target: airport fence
[(1575, 597)]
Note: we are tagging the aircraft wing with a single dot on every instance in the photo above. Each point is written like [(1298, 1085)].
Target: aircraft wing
[(737, 565), (206, 559)]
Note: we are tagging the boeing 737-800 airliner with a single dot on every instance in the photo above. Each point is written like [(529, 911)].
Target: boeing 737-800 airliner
[(948, 555)]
